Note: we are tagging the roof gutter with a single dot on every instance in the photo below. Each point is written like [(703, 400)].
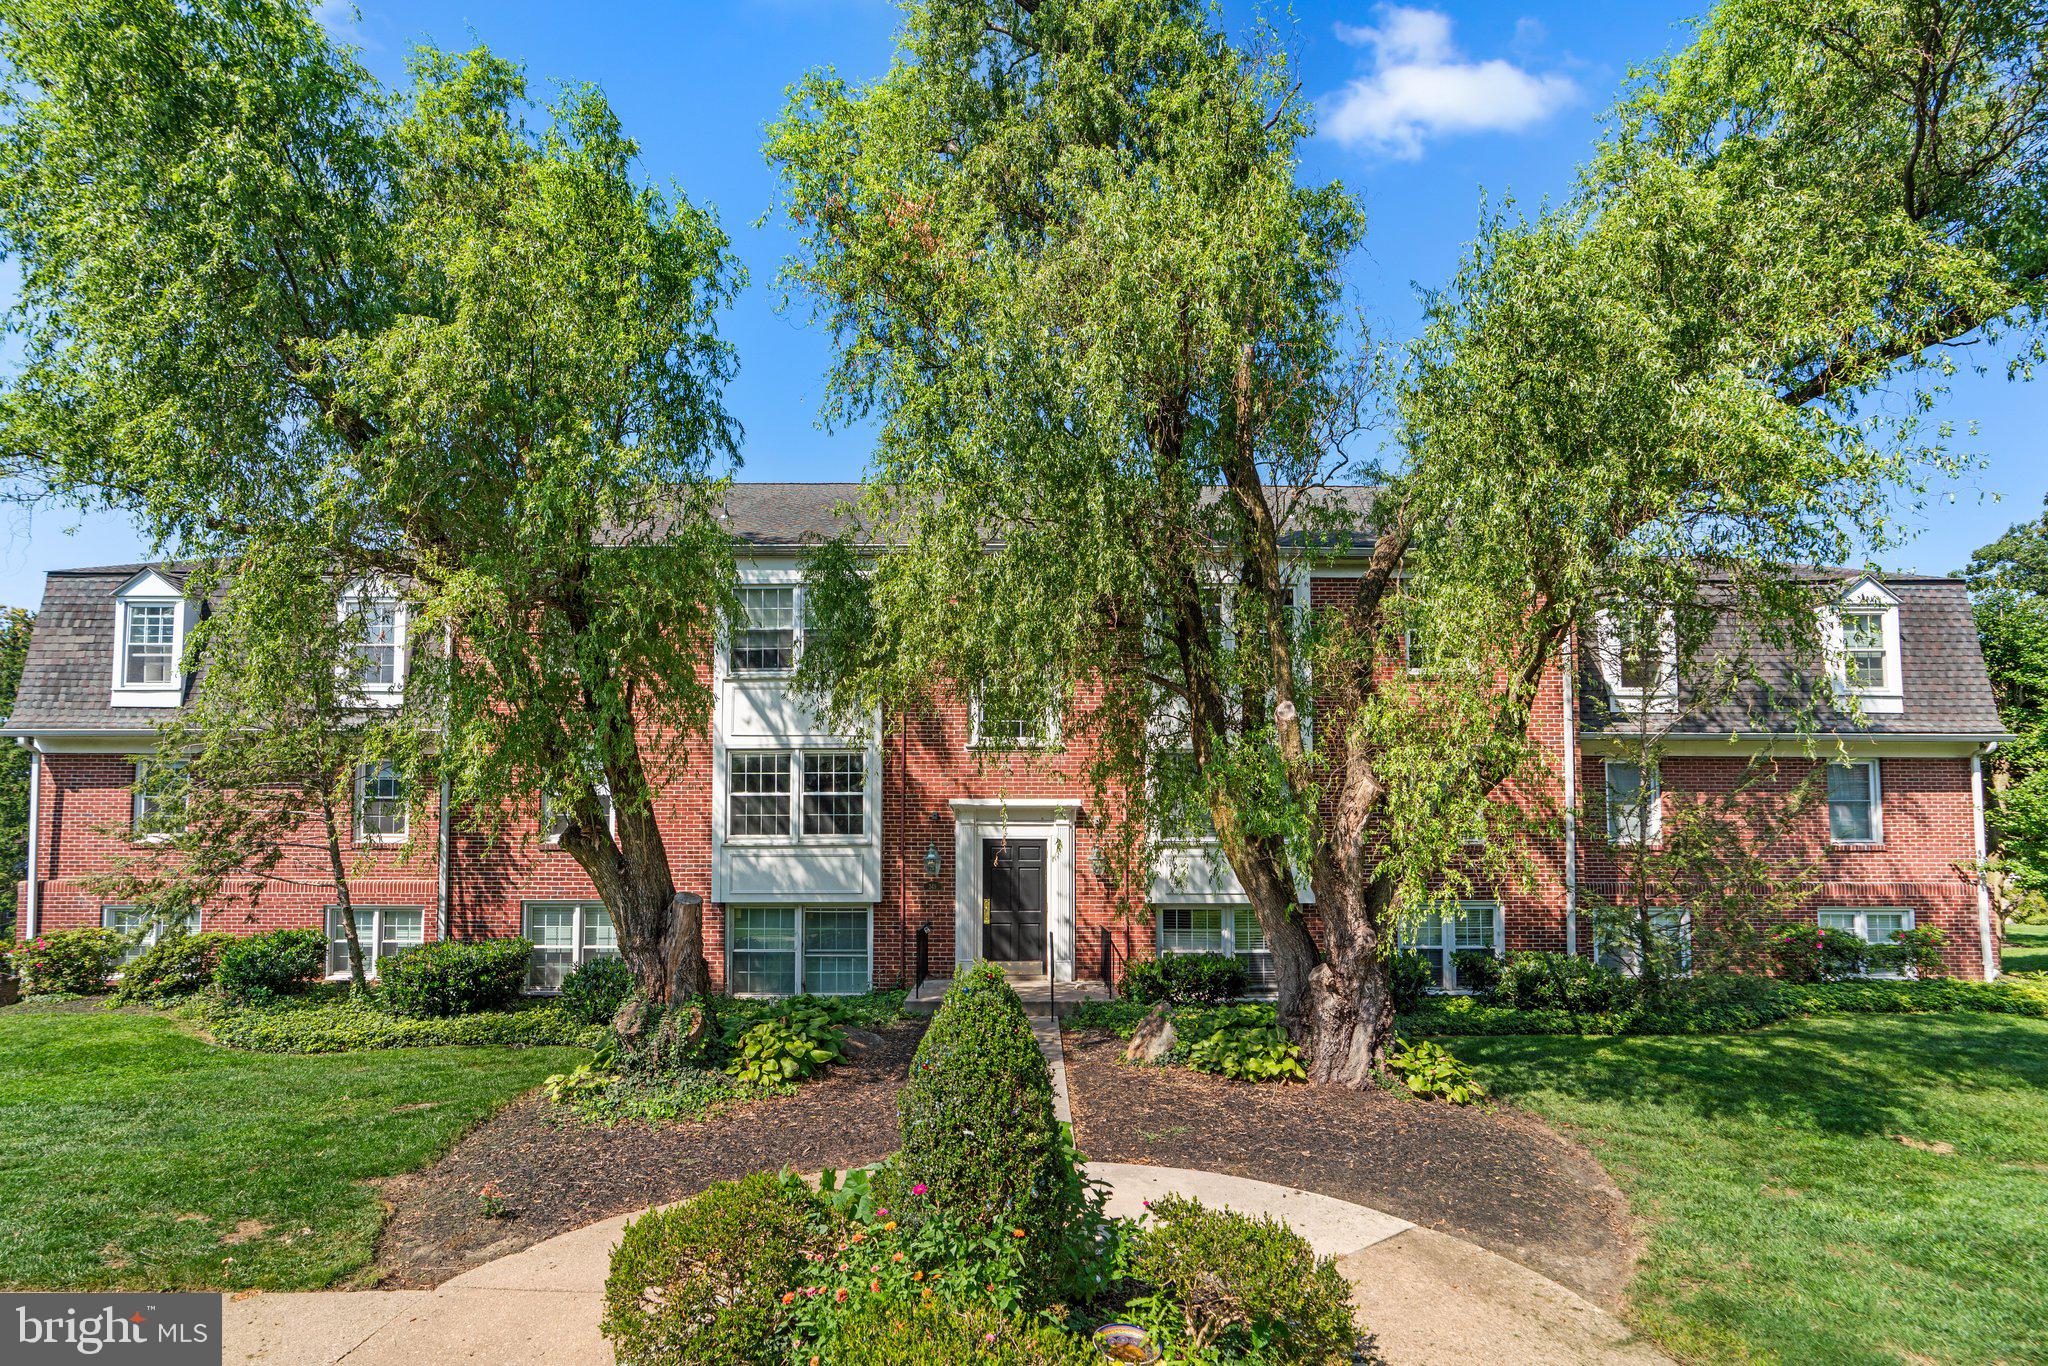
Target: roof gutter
[(1986, 944), (1992, 738), (32, 906)]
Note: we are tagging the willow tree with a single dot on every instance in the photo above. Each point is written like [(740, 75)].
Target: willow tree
[(1072, 269), (445, 339)]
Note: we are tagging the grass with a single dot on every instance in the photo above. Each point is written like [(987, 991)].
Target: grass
[(133, 1154), (2026, 948), (1788, 1221)]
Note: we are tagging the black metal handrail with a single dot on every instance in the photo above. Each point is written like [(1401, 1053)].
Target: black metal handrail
[(1110, 955), (924, 958)]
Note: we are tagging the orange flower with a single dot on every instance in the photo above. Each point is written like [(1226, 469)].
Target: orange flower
[(917, 1275), (1016, 1233), (839, 1295), (874, 1287), (789, 1297), (891, 1225), (856, 1237), (897, 1258)]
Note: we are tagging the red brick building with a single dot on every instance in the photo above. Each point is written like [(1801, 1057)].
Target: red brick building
[(820, 857)]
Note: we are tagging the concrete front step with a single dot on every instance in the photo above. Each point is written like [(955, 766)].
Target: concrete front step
[(1043, 998)]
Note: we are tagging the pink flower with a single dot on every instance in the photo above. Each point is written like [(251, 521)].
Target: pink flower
[(919, 1189)]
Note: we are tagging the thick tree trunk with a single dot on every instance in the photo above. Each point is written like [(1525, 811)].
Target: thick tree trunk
[(660, 930), (343, 901)]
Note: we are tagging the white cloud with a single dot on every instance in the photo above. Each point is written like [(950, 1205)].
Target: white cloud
[(1420, 86)]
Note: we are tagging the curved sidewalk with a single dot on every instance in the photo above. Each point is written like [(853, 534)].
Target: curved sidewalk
[(1426, 1297)]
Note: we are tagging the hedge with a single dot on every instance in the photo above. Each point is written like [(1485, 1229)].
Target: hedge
[(346, 1026), (451, 977)]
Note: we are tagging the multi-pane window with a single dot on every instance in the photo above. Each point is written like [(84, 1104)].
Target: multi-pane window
[(1863, 649), (812, 794), (1872, 926), (1638, 648), (380, 804), (1441, 933), (765, 641), (1634, 805), (1855, 814), (835, 798), (149, 650), (1231, 930), (142, 928), (757, 794), (1006, 722), (565, 935), (160, 798), (783, 950), (1620, 944), (383, 931), (377, 626), (555, 813)]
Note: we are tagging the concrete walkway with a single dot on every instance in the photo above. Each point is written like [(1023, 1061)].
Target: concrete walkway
[(1427, 1297)]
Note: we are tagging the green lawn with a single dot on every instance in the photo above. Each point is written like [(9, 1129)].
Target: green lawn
[(132, 1154), (1787, 1221), (2026, 948)]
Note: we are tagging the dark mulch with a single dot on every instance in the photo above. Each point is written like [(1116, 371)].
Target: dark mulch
[(1495, 1176), (557, 1174)]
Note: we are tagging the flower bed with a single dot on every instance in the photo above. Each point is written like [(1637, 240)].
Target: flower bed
[(981, 1239)]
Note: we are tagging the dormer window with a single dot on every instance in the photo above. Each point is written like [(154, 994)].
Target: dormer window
[(151, 617), (1861, 634), (374, 644), (1636, 649)]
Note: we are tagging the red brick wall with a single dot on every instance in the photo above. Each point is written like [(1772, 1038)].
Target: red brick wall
[(1929, 837)]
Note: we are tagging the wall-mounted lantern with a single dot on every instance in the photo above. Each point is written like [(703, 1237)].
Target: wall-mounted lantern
[(932, 864)]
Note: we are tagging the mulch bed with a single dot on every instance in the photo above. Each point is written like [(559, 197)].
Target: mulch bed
[(557, 1174), (1496, 1177)]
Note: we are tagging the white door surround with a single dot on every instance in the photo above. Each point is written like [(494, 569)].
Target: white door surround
[(1028, 819)]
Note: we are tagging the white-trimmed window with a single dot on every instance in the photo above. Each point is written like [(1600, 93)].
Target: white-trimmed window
[(1863, 661), (1441, 933), (812, 794), (791, 950), (565, 935), (765, 640), (1671, 928), (1874, 925), (376, 643), (1231, 930), (382, 816), (1011, 724), (149, 648), (158, 807), (383, 931), (1861, 631), (1855, 803), (147, 928), (554, 817), (1637, 651), (1635, 803)]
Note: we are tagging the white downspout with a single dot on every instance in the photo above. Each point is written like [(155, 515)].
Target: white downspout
[(444, 881), (1984, 938), (1571, 813), (32, 906)]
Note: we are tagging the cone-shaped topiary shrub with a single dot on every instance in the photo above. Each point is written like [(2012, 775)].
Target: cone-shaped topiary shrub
[(977, 1123)]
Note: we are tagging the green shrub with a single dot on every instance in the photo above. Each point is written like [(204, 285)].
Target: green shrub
[(1248, 1051), (264, 966), (788, 1048), (594, 991), (894, 1330), (1430, 1070), (349, 1025), (1810, 953), (1223, 1286), (1410, 979), (1709, 1003), (176, 965), (71, 962), (684, 1093), (1184, 979), (2008, 995), (449, 977), (703, 1281), (977, 1124), (1531, 980), (1916, 951), (1478, 970)]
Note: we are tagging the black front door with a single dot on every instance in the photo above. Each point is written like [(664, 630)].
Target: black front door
[(1013, 900)]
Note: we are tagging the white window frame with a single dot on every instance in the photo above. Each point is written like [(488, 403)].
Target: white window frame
[(1447, 977), (1048, 737), (797, 624), (404, 806), (579, 952), (1652, 779), (150, 589), (1662, 693), (1860, 927), (1866, 596), (1875, 778), (369, 932), (1261, 982), (1680, 917), (138, 804), (801, 915), (386, 694), (152, 932), (794, 756), (553, 825)]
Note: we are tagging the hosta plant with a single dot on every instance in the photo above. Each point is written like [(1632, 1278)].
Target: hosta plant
[(1430, 1070), (787, 1049), (1249, 1052)]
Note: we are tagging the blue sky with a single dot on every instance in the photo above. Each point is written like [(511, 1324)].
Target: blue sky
[(1422, 109)]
